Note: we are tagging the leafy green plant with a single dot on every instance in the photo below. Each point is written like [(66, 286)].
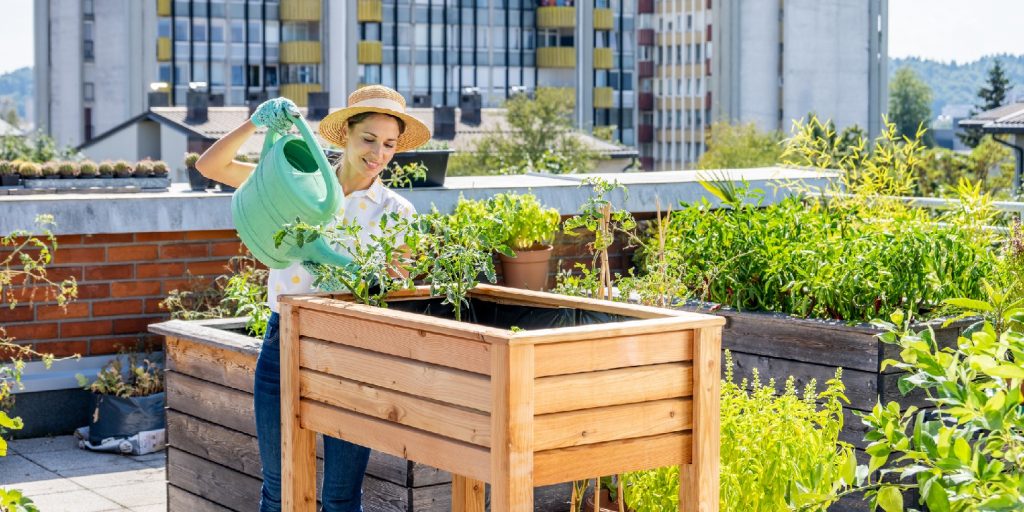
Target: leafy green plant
[(524, 222), (245, 294), (778, 451), (12, 500), (114, 379), (403, 176), (7, 168), (740, 146)]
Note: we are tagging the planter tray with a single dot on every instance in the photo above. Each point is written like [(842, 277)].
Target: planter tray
[(610, 387)]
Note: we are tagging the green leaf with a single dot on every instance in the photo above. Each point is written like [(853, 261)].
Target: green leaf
[(935, 496), (849, 470), (962, 450), (970, 304), (1007, 371), (890, 499)]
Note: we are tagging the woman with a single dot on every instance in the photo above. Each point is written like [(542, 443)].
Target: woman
[(371, 130)]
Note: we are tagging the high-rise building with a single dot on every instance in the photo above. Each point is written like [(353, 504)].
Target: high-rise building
[(97, 61)]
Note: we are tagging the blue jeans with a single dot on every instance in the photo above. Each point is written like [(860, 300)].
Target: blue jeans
[(344, 462)]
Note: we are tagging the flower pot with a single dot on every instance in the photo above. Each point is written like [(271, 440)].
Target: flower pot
[(528, 269), (226, 188), (117, 417), (196, 181), (10, 181)]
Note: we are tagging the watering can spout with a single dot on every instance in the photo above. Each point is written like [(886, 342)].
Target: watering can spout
[(293, 180)]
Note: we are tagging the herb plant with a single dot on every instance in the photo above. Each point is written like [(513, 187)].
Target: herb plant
[(403, 176), (524, 221), (142, 379)]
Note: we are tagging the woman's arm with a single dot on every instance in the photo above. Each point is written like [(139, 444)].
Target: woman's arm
[(218, 162)]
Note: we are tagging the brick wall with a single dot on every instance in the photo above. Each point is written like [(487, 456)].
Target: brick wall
[(122, 279)]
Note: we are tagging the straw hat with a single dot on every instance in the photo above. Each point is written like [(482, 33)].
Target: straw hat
[(381, 99)]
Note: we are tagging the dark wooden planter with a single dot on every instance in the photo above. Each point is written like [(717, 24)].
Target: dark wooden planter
[(436, 161), (212, 456)]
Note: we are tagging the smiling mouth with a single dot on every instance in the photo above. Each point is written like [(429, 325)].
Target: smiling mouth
[(371, 165)]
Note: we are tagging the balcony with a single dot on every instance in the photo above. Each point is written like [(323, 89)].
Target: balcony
[(163, 7), (369, 11), (299, 93), (300, 52), (603, 58), (645, 37), (645, 101), (556, 57), (680, 37), (300, 10), (679, 102), (644, 134), (603, 19), (645, 69), (370, 52), (163, 49), (645, 7), (556, 17), (603, 97)]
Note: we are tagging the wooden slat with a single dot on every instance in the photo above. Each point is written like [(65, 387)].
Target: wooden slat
[(400, 441), (221, 365), (408, 376), (531, 297), (467, 494), (180, 500), (699, 487), (212, 402), (511, 456), (580, 462), (298, 445), (608, 330), (213, 442), (212, 481), (618, 352), (445, 420), (589, 426), (411, 320), (394, 339), (612, 387)]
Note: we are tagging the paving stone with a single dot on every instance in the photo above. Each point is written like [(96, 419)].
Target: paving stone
[(43, 444), (89, 478), (162, 507), (135, 495), (74, 501), (76, 459), (20, 473)]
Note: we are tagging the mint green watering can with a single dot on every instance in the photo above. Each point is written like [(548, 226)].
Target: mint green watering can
[(293, 180)]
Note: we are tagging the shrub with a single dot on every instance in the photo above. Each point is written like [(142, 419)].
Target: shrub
[(88, 169), (68, 169), (30, 170), (142, 379), (7, 168), (123, 169), (160, 169), (144, 168), (524, 222)]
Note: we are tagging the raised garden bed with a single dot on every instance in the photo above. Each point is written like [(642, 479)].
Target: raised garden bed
[(539, 389)]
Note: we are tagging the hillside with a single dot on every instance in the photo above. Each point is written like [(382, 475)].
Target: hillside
[(17, 87), (953, 83)]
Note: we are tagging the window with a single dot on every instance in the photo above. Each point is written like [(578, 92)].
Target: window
[(163, 73), (217, 31), (237, 31), (237, 76), (254, 75), (163, 27), (88, 91), (199, 30), (181, 29), (421, 35), (255, 32), (272, 31), (300, 74), (87, 50), (300, 31), (87, 8), (270, 75)]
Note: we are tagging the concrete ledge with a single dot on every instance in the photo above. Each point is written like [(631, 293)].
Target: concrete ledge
[(180, 209), (90, 183)]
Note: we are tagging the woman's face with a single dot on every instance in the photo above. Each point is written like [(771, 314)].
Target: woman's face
[(371, 144)]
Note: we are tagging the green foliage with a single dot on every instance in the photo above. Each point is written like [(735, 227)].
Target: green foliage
[(403, 176), (778, 451), (523, 221), (123, 169), (740, 146), (992, 96), (12, 500), (990, 164), (967, 453), (240, 292), (910, 104), (143, 168), (105, 168), (37, 147), (191, 159), (49, 169), (159, 169), (539, 135), (68, 169), (956, 83), (30, 170), (7, 168), (88, 169), (141, 380)]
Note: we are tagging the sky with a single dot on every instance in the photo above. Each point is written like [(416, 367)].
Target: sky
[(960, 30), (955, 30)]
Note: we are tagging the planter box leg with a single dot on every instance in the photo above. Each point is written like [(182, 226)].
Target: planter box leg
[(467, 494), (512, 428), (698, 481), (298, 445)]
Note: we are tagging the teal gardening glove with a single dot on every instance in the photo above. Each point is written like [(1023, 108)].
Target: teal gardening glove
[(275, 115)]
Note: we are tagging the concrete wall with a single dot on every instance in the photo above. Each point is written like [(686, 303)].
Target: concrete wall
[(173, 146), (149, 140), (758, 54), (116, 71), (122, 145), (826, 61), (65, 79)]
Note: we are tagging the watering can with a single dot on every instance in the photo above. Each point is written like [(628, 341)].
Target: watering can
[(292, 180)]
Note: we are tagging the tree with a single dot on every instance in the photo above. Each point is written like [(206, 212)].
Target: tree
[(740, 147), (539, 130), (992, 96), (910, 104)]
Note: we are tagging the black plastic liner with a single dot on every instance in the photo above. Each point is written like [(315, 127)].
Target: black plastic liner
[(124, 417), (507, 316)]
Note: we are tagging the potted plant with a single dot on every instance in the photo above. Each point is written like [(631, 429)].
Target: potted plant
[(144, 168), (105, 169), (88, 169), (30, 170), (160, 169), (129, 401), (49, 170), (528, 229), (197, 182), (123, 169), (68, 170), (9, 174)]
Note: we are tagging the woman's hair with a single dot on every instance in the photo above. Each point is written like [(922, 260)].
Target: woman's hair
[(358, 118)]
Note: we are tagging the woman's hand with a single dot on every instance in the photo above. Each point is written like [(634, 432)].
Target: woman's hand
[(275, 115)]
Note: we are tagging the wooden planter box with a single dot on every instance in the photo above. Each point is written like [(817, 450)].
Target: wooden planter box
[(636, 389), (213, 460)]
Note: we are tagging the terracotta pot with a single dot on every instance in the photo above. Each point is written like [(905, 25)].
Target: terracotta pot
[(607, 505), (528, 269)]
